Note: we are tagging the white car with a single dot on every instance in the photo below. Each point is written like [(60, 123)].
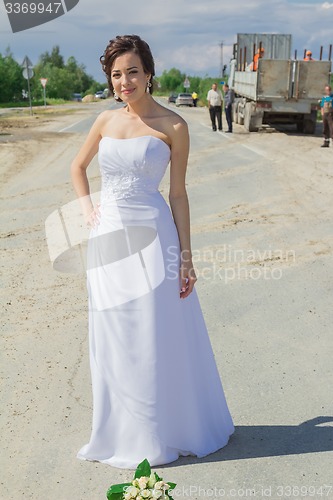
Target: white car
[(100, 94), (184, 99)]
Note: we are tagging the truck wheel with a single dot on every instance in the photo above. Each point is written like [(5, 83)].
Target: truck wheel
[(235, 112), (240, 119), (300, 127), (248, 125), (309, 127)]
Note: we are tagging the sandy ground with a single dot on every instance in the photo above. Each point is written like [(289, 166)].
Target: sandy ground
[(262, 237)]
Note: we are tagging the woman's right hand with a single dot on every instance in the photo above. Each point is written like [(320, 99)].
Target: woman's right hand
[(92, 220)]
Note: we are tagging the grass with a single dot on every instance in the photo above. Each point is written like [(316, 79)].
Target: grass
[(40, 102)]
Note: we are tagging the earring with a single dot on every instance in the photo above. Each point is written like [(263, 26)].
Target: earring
[(148, 87), (115, 94)]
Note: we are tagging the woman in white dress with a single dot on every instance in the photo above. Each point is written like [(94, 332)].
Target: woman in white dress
[(157, 393)]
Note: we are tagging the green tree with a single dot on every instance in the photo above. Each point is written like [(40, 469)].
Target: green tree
[(55, 58), (172, 80), (64, 79), (11, 78), (81, 80), (194, 84), (60, 82)]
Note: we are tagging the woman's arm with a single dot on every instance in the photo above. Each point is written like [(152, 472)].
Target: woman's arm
[(180, 206), (79, 174)]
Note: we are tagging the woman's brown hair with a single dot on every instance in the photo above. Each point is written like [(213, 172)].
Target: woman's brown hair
[(128, 43)]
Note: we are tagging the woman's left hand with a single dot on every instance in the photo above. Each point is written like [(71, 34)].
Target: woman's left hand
[(187, 278)]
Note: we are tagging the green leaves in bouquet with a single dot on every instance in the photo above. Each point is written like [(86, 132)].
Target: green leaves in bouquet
[(116, 492), (143, 469)]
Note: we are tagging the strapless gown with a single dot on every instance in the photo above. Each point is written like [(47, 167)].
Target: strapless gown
[(157, 393)]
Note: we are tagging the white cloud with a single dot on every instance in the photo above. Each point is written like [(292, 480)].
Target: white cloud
[(182, 33)]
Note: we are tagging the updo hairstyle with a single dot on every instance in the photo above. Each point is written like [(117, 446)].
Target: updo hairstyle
[(127, 43)]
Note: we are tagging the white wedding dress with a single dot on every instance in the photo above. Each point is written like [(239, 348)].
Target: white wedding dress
[(157, 393)]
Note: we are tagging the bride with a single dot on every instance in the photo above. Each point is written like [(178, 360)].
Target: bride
[(157, 393)]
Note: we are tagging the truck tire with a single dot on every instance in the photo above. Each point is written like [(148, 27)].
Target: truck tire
[(300, 127), (308, 124), (309, 127), (235, 112), (240, 110), (240, 119), (248, 125)]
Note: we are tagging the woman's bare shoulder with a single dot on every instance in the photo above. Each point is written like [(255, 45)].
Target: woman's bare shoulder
[(173, 121), (107, 115), (105, 118)]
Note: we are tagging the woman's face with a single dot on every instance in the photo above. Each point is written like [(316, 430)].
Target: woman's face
[(128, 77)]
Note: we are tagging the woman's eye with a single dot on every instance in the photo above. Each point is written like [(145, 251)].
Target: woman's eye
[(132, 72)]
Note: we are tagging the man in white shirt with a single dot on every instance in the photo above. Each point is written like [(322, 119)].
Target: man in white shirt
[(214, 98)]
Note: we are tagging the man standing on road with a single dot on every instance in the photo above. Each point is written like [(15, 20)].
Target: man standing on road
[(214, 98), (327, 114), (229, 98), (195, 98)]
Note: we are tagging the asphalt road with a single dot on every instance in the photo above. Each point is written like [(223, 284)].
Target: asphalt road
[(262, 243)]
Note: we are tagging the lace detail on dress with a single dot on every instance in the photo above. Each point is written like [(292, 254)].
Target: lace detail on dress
[(131, 166), (121, 186)]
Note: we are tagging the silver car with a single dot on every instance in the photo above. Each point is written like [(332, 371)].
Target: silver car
[(184, 100)]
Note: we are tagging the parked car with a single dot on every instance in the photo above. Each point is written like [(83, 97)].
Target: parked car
[(172, 97), (77, 97), (100, 94), (184, 99)]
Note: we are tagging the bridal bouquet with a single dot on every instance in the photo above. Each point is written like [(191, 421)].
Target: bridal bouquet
[(145, 485)]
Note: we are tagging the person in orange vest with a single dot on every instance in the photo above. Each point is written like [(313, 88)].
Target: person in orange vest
[(308, 56), (259, 55)]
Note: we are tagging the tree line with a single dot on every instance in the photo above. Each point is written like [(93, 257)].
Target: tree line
[(64, 78), (68, 77), (172, 81)]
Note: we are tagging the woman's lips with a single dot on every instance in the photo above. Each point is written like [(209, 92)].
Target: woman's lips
[(128, 91)]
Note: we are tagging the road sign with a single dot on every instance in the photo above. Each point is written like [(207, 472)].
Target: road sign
[(26, 63), (43, 81), (187, 84), (28, 73)]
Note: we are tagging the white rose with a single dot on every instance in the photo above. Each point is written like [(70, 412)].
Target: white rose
[(157, 493), (161, 485), (143, 482), (127, 496), (132, 491), (145, 493), (135, 483), (152, 480)]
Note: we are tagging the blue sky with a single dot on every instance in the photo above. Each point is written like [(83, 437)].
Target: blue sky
[(181, 33)]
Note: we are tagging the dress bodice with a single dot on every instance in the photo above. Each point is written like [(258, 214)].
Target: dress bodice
[(131, 166)]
